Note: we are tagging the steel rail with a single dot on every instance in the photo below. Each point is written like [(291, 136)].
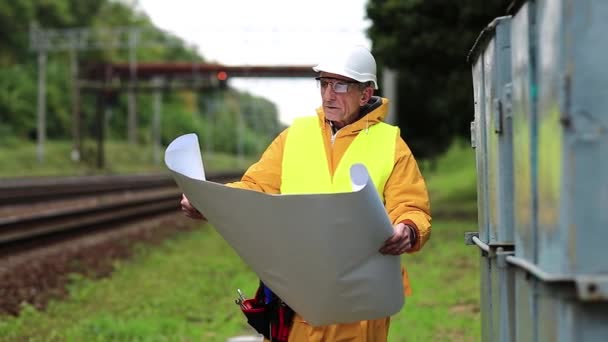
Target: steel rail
[(29, 190), (145, 202), (21, 228)]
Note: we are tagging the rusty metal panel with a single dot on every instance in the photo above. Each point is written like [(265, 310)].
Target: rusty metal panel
[(478, 133), (554, 285), (524, 140), (564, 318), (502, 292), (507, 329), (491, 133), (486, 305), (525, 299), (491, 186), (485, 86), (497, 77), (523, 112), (550, 138), (503, 129), (573, 136)]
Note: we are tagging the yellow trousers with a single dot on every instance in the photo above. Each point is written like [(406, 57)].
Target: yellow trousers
[(364, 331)]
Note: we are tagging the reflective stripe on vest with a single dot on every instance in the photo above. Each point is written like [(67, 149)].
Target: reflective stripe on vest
[(305, 168)]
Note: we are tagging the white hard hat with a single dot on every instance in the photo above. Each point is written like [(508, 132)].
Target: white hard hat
[(356, 63)]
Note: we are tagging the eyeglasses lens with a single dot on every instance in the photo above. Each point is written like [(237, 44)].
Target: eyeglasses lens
[(337, 86)]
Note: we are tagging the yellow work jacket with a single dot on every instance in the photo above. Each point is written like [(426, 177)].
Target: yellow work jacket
[(404, 193), (305, 169)]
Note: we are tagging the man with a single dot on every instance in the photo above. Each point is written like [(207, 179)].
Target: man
[(314, 155)]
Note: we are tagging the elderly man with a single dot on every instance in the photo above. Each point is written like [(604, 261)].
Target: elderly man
[(314, 155)]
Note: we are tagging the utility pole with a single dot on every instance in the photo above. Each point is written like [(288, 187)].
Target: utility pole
[(132, 100), (76, 126), (41, 115), (43, 41), (389, 86), (156, 120), (99, 118)]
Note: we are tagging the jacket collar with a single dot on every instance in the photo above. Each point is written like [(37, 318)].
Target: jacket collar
[(371, 113)]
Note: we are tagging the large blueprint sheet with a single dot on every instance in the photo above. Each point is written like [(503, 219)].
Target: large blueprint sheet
[(318, 252)]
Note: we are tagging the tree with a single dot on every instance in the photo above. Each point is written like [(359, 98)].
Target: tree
[(427, 42), (19, 72)]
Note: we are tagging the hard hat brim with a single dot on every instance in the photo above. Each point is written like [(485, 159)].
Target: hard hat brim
[(347, 73)]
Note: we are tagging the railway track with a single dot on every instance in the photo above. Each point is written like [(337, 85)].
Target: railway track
[(26, 190), (42, 209)]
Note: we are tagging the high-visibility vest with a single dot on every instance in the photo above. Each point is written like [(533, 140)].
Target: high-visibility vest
[(305, 169)]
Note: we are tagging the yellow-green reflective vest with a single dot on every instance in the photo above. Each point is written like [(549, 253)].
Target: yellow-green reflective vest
[(305, 169)]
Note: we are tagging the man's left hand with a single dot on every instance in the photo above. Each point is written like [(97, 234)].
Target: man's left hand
[(400, 242)]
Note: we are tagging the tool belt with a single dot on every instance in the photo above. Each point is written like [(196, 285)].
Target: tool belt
[(270, 317)]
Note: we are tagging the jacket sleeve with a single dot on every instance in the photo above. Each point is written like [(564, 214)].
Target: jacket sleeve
[(406, 196), (265, 174)]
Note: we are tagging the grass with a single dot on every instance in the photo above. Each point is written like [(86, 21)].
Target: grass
[(445, 281), (20, 159), (452, 184), (184, 289), (181, 291)]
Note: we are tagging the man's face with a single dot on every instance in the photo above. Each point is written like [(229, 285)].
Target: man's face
[(341, 108)]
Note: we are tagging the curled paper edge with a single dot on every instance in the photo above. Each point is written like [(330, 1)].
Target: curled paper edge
[(183, 155)]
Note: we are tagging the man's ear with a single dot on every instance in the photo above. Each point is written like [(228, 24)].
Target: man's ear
[(366, 94)]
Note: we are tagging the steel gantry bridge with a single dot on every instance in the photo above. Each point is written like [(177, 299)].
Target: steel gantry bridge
[(132, 77), (108, 79), (204, 70)]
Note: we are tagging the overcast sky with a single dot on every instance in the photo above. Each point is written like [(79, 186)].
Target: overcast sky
[(266, 32)]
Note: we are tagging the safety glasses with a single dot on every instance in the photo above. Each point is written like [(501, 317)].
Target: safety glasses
[(339, 86)]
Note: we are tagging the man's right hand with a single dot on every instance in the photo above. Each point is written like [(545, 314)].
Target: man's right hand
[(189, 210)]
